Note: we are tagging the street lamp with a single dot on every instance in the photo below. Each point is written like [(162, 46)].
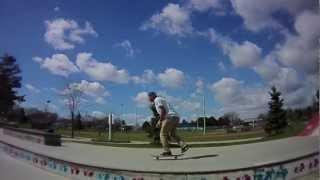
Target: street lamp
[(121, 117), (136, 117), (204, 115)]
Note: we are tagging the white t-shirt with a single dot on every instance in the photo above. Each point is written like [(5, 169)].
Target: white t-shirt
[(160, 101)]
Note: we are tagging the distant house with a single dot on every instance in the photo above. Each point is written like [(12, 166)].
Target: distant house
[(186, 126), (253, 122)]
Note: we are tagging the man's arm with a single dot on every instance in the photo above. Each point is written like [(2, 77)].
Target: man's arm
[(154, 110), (163, 113)]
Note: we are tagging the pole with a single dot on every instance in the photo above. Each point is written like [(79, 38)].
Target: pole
[(121, 117), (253, 123), (197, 124), (72, 124), (204, 115), (136, 116), (110, 127)]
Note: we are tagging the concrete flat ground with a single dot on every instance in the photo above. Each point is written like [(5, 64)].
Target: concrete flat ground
[(11, 168), (147, 142), (196, 160)]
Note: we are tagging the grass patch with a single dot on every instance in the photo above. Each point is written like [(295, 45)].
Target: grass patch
[(292, 130), (189, 136)]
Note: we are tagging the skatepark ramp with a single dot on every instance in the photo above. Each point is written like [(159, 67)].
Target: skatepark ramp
[(312, 128), (291, 158)]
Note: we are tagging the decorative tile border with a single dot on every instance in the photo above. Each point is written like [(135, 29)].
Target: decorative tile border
[(33, 136), (284, 171), (24, 136)]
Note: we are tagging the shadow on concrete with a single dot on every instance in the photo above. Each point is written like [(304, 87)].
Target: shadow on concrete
[(189, 157)]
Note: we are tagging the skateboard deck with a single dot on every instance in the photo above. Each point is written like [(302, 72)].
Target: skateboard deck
[(172, 157)]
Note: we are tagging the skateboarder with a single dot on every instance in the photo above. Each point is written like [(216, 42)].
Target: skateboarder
[(168, 122)]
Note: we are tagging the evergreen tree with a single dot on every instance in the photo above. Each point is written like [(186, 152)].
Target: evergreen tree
[(277, 116), (10, 80)]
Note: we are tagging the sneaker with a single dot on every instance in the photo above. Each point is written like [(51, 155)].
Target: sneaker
[(166, 153), (185, 148)]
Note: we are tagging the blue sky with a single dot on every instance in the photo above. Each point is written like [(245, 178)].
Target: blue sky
[(116, 51)]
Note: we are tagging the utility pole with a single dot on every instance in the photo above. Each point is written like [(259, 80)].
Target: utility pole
[(136, 116), (110, 127), (204, 114), (197, 123)]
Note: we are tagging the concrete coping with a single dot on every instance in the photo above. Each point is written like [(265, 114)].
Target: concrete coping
[(268, 164)]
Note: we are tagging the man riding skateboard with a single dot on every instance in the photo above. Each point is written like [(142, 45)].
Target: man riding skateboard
[(168, 122)]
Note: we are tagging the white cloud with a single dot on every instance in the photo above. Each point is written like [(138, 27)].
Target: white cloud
[(94, 89), (56, 9), (301, 51), (172, 20), (287, 80), (181, 104), (127, 46), (37, 59), (141, 99), (147, 77), (101, 71), (227, 90), (100, 100), (187, 106), (249, 55), (178, 103), (58, 64), (63, 34), (172, 78), (205, 5), (175, 19), (268, 69), (76, 35), (246, 54), (199, 86), (221, 66), (234, 96), (98, 114), (32, 89), (52, 107), (258, 14)]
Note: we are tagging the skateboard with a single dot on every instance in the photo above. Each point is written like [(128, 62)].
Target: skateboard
[(172, 157)]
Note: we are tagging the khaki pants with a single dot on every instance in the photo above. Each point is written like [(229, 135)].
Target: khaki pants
[(168, 131)]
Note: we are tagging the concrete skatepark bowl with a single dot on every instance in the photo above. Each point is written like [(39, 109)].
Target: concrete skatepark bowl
[(290, 158)]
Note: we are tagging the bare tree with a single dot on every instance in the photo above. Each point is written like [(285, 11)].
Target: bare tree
[(233, 117), (72, 96)]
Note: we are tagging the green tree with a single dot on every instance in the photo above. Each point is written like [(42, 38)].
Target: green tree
[(276, 120), (10, 81)]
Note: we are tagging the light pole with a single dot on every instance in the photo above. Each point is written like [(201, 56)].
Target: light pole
[(136, 117), (204, 114), (197, 123), (122, 117), (110, 127)]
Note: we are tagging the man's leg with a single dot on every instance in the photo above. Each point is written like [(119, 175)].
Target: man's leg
[(164, 135), (173, 132), (174, 135)]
